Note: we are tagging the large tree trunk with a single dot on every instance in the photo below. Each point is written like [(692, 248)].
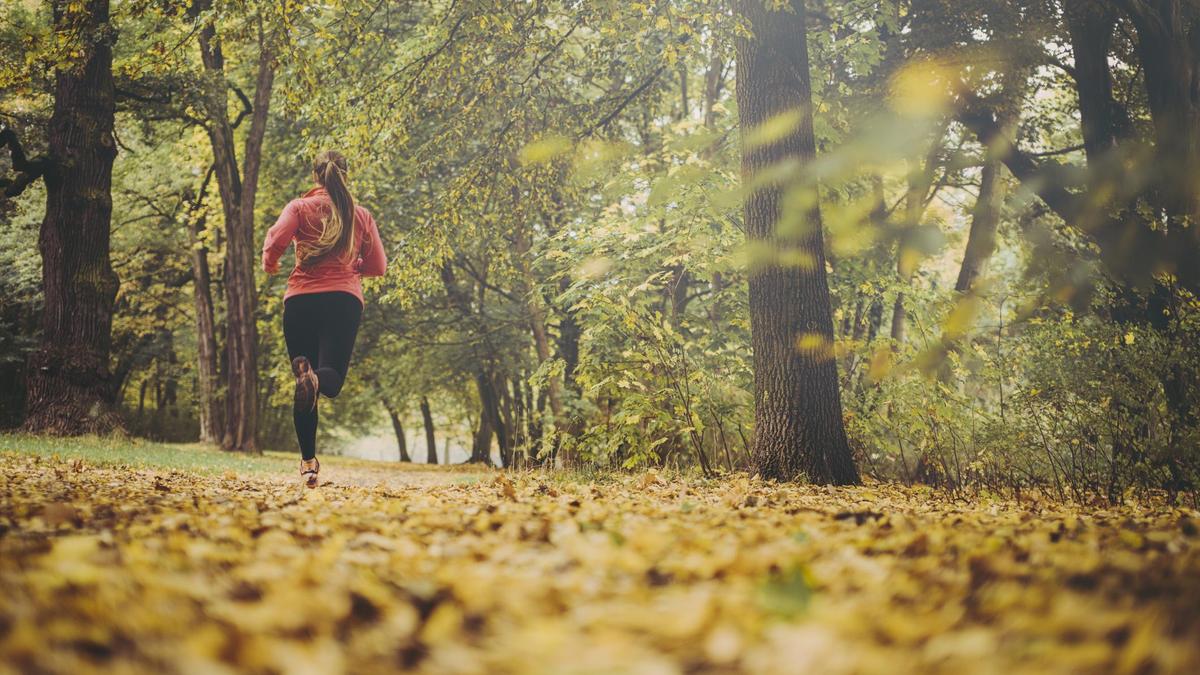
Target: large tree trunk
[(797, 406), (1105, 123), (430, 444), (238, 193), (69, 389), (1172, 81), (1168, 44)]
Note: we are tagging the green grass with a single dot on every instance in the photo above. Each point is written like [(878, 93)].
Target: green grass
[(146, 454), (196, 457)]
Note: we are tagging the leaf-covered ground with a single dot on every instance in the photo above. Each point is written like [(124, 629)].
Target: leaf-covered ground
[(159, 570)]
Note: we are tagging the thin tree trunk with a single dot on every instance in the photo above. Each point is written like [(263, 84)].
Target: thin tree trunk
[(914, 205), (683, 91), (713, 82), (238, 192), (874, 318), (68, 385), (797, 406), (569, 332), (679, 286), (208, 373), (900, 315), (507, 418), (520, 425), (398, 427), (430, 443), (985, 217), (22, 317), (907, 257), (533, 418), (490, 415), (489, 422), (541, 342), (481, 443)]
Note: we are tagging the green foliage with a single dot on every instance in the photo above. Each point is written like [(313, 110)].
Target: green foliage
[(573, 169)]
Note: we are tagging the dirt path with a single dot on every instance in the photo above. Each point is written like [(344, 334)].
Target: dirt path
[(360, 473)]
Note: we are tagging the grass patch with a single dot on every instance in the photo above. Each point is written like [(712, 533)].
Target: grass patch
[(201, 458), (116, 451)]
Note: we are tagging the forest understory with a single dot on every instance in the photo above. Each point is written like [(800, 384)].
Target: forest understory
[(155, 569)]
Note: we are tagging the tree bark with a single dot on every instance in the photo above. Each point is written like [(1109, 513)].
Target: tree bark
[(430, 444), (68, 385), (797, 406)]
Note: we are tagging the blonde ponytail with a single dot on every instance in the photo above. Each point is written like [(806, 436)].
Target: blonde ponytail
[(337, 236)]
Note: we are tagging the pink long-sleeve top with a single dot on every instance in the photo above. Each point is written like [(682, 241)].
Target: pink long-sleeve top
[(301, 222)]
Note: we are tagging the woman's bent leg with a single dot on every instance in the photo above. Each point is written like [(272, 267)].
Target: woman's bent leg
[(301, 332)]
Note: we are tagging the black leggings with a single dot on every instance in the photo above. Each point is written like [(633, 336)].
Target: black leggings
[(322, 327)]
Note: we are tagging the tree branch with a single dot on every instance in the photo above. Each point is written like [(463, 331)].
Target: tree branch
[(1060, 151), (28, 171), (625, 102), (247, 107), (1064, 203)]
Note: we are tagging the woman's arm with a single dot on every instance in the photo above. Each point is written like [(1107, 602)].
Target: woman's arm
[(374, 259), (279, 237)]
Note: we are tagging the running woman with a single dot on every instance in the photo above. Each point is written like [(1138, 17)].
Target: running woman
[(337, 243)]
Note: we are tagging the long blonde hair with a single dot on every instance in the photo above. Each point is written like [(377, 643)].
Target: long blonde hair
[(337, 231)]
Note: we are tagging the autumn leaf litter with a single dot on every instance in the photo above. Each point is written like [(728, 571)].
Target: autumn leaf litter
[(152, 571)]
